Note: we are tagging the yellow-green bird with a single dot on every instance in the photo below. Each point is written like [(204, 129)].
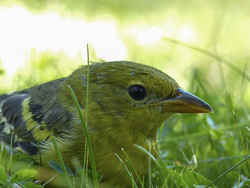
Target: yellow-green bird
[(127, 103)]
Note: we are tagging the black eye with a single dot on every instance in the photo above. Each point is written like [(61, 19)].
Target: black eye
[(137, 92)]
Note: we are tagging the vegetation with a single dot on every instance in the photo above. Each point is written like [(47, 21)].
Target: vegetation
[(196, 150)]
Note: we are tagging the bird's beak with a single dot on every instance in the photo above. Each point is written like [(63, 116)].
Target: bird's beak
[(185, 102)]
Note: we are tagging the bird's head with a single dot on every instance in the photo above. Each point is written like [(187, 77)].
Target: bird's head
[(131, 95)]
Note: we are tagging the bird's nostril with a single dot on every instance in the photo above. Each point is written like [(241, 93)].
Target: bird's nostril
[(178, 92)]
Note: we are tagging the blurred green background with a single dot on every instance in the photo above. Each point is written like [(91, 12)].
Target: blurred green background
[(204, 45)]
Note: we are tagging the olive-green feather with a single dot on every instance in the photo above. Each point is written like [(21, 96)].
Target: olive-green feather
[(118, 118)]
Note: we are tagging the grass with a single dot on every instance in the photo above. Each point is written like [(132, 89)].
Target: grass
[(208, 150)]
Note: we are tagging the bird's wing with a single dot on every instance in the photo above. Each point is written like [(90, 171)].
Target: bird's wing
[(29, 117), (13, 128)]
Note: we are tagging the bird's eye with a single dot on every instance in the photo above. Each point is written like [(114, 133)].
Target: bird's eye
[(137, 92)]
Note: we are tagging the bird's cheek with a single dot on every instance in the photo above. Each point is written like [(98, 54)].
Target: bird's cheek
[(158, 113)]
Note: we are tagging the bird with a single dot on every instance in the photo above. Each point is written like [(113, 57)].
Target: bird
[(126, 103)]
